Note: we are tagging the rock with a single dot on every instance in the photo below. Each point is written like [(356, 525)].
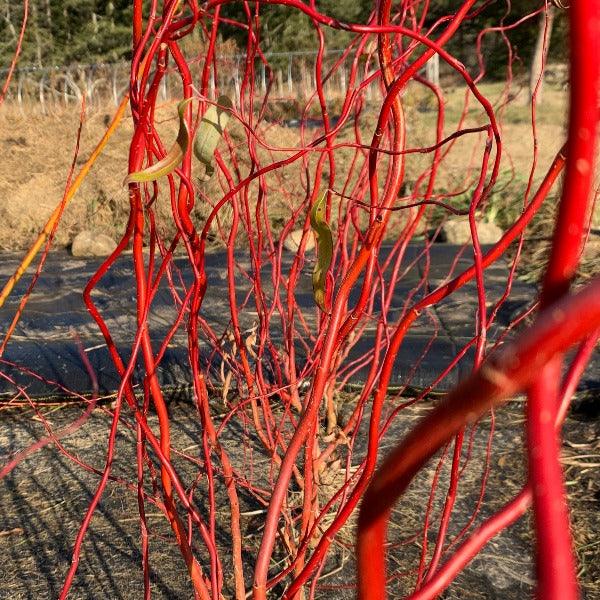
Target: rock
[(90, 243), (292, 241), (457, 231)]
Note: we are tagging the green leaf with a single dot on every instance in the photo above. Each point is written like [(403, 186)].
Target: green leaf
[(324, 240), (173, 157), (209, 133)]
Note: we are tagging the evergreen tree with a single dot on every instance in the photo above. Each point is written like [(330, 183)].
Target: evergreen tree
[(285, 29), (88, 31)]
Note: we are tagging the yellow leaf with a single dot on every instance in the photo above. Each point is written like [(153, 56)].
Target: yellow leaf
[(324, 240), (209, 133), (173, 157)]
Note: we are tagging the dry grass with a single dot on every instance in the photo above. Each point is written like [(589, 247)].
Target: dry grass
[(37, 151), (44, 503)]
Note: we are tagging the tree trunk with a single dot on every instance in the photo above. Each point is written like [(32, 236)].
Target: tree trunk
[(35, 25), (538, 63), (48, 14), (8, 20)]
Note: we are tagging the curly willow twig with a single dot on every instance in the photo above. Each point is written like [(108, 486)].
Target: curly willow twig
[(288, 442), (531, 363)]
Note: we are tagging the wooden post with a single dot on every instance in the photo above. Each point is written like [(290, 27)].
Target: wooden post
[(236, 80), (432, 70), (20, 92), (263, 78), (343, 79), (304, 76), (41, 94), (115, 93)]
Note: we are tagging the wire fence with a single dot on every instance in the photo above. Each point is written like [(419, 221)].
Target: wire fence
[(287, 75)]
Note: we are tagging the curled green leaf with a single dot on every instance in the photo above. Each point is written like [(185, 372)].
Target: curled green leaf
[(209, 133), (173, 157), (324, 240)]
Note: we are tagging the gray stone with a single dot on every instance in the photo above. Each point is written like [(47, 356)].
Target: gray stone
[(90, 243), (292, 241), (457, 231)]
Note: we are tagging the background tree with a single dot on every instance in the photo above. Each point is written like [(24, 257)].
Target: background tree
[(67, 31), (89, 31)]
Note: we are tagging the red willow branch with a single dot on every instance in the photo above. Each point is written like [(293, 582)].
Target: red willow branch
[(555, 561), (281, 377), (510, 370), (17, 52), (496, 379)]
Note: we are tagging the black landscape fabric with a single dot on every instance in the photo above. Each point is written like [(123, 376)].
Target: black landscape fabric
[(44, 341)]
